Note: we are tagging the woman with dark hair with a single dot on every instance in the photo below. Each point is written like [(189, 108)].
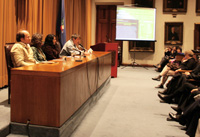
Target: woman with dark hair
[(50, 48), (36, 44), (164, 60)]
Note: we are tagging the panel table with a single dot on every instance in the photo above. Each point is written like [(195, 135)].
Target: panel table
[(49, 94)]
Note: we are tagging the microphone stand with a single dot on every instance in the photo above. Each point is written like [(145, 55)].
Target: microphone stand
[(134, 62)]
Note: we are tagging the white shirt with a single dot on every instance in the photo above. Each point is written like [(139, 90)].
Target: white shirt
[(68, 48)]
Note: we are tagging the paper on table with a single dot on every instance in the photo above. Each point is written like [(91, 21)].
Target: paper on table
[(48, 62)]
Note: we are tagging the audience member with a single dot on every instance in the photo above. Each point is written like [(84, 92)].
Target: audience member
[(36, 44), (169, 54), (21, 52), (180, 79), (164, 59), (189, 117), (188, 63), (50, 48), (184, 92)]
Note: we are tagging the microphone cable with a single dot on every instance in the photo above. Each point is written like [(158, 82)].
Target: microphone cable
[(97, 70), (89, 88), (27, 127), (96, 74)]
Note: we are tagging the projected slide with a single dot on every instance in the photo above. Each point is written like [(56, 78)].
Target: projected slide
[(135, 23), (128, 28)]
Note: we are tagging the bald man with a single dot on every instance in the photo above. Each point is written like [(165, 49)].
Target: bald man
[(21, 52)]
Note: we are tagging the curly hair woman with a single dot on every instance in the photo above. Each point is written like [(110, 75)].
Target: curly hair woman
[(36, 44)]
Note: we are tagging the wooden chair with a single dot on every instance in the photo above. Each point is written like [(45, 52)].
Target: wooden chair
[(9, 63), (179, 57)]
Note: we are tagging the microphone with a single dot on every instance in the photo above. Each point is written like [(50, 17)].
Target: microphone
[(81, 46)]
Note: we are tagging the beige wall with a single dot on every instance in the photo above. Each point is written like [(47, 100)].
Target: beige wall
[(188, 19)]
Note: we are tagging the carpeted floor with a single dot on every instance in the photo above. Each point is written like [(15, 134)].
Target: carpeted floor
[(130, 108)]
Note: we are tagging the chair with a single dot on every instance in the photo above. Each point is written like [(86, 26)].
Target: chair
[(179, 57), (9, 63)]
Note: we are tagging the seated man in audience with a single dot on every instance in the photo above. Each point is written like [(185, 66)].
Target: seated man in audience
[(72, 46), (180, 79), (189, 117), (181, 94), (188, 63), (21, 52)]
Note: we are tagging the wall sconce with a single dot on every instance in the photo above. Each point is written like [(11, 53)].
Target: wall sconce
[(174, 15)]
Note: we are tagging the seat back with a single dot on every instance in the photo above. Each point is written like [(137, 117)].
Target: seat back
[(8, 47), (10, 65), (179, 57)]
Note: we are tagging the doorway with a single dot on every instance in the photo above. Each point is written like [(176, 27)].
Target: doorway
[(197, 37), (106, 27)]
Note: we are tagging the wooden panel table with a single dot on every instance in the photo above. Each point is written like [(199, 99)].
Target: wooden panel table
[(49, 94)]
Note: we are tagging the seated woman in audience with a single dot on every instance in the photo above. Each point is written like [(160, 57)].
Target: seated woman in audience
[(36, 44), (164, 59), (169, 54), (50, 48), (188, 63)]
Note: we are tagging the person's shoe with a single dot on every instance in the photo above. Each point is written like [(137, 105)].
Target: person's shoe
[(174, 117), (159, 86), (163, 92), (177, 109), (165, 98), (157, 78), (159, 69), (183, 128), (154, 66), (178, 118)]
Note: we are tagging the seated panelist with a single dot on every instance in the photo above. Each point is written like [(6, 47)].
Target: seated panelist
[(50, 48), (72, 46), (36, 44), (21, 52)]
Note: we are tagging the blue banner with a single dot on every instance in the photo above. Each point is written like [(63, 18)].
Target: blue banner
[(61, 24)]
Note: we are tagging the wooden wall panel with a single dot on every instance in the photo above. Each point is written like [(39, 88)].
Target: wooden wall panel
[(31, 99)]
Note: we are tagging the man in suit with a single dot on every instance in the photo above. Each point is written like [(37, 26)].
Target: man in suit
[(189, 117), (21, 52)]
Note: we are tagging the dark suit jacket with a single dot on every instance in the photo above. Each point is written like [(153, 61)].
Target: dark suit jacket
[(190, 64)]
